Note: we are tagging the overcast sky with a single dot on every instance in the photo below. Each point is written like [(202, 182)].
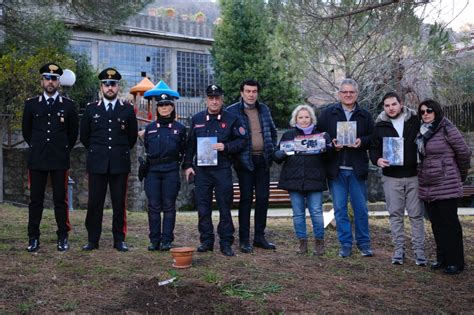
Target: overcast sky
[(455, 12)]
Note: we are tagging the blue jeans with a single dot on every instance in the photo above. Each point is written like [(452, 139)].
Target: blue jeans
[(345, 185), (314, 200)]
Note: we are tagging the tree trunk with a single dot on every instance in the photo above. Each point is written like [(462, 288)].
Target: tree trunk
[(3, 128)]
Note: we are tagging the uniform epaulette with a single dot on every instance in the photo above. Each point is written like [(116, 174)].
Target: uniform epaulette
[(37, 96), (124, 102), (91, 103)]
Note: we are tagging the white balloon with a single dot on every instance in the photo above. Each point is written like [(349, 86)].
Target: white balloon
[(68, 78)]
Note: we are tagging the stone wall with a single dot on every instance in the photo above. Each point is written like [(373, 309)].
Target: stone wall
[(16, 180)]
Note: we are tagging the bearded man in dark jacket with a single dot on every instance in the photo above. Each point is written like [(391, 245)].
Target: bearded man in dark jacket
[(400, 182)]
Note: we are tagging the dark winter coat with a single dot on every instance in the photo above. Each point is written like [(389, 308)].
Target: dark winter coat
[(384, 128), (327, 122), (226, 127), (302, 172), (244, 159), (50, 132), (165, 145), (108, 140), (445, 164)]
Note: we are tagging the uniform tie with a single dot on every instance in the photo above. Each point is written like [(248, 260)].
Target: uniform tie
[(50, 102), (109, 109)]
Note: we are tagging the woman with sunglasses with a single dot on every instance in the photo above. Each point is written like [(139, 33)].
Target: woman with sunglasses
[(164, 141), (444, 163)]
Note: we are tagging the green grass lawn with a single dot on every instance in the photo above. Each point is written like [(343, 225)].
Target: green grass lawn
[(106, 281)]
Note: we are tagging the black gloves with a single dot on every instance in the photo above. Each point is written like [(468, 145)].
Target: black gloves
[(142, 168)]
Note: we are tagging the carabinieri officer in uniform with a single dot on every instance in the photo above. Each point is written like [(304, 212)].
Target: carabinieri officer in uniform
[(225, 129), (165, 142), (108, 131), (50, 127)]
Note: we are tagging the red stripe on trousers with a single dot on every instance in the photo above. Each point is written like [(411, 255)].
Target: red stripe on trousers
[(66, 180), (125, 209)]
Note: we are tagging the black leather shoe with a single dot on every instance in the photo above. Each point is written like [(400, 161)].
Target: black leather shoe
[(154, 246), (121, 246), (262, 243), (33, 245), (166, 246), (63, 244), (227, 250), (245, 248), (453, 270), (205, 247), (437, 265), (90, 246)]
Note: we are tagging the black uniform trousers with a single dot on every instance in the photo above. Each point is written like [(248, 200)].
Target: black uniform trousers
[(207, 179), (162, 189), (38, 179), (447, 231), (95, 207)]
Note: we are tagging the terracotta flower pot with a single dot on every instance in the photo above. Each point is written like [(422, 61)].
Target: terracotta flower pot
[(182, 257)]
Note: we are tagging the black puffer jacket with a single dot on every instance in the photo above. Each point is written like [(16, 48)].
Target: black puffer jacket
[(303, 172)]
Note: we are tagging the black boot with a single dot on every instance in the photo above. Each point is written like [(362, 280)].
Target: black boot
[(33, 245), (154, 246), (63, 244), (166, 246)]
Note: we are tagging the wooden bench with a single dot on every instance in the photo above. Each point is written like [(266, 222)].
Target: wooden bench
[(277, 196)]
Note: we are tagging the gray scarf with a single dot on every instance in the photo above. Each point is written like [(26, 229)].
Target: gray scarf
[(426, 132)]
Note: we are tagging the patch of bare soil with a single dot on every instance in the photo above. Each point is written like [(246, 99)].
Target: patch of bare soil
[(184, 297)]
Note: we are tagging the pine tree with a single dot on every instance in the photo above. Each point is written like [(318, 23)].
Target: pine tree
[(247, 45)]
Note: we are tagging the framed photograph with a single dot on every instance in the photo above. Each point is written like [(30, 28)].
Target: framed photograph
[(310, 144), (288, 147), (393, 150), (206, 155), (346, 132)]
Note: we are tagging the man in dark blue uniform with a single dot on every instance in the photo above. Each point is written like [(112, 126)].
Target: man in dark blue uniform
[(50, 127), (212, 168), (108, 131)]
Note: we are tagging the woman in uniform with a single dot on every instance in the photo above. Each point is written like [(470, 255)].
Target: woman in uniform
[(165, 141)]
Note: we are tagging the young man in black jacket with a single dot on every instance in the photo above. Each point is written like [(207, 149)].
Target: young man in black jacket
[(400, 182)]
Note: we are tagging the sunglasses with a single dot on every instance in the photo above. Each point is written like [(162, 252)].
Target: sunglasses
[(109, 83), (427, 111), (164, 104), (48, 77)]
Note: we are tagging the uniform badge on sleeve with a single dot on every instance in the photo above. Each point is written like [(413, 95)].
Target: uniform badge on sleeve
[(242, 131)]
